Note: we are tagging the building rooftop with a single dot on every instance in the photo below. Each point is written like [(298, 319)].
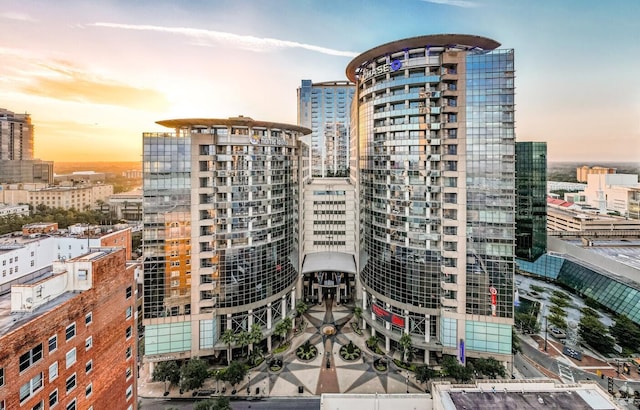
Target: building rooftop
[(11, 321), (232, 121), (466, 41)]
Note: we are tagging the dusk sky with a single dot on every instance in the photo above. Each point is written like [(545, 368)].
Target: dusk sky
[(95, 75)]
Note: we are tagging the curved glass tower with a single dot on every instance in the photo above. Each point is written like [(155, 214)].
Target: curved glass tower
[(221, 205), (434, 123)]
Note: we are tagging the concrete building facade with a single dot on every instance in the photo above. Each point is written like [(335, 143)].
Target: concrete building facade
[(221, 234)]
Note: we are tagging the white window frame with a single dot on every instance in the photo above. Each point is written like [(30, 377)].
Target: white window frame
[(71, 357), (88, 318), (88, 343), (66, 332), (53, 338), (53, 371), (129, 393), (57, 398), (75, 383), (88, 364), (88, 390)]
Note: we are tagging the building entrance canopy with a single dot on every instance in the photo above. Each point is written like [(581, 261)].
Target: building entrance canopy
[(329, 262)]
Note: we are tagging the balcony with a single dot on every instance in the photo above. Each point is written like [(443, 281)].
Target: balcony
[(446, 302), (448, 286)]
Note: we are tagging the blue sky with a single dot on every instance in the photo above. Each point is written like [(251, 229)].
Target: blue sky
[(95, 75)]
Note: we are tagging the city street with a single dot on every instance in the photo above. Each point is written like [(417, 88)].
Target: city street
[(266, 404)]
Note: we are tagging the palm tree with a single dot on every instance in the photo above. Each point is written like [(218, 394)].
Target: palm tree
[(301, 308), (357, 313), (243, 339), (228, 338), (283, 327), (405, 342), (255, 335)]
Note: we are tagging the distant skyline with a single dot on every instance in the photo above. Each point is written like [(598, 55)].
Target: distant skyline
[(95, 75)]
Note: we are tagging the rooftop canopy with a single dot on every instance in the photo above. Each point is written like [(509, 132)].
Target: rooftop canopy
[(329, 261), (460, 41)]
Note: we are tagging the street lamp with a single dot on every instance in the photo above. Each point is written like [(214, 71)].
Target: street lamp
[(546, 330), (406, 381)]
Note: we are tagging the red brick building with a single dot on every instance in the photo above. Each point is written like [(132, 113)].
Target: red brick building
[(69, 341)]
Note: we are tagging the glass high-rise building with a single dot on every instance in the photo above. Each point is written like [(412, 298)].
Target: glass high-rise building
[(220, 238), (531, 195), (325, 109), (434, 156)]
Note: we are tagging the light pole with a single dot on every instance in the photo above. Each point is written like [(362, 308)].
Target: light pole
[(406, 382), (545, 331), (249, 386)]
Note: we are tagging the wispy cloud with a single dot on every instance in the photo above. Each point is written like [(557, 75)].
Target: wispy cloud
[(62, 81), (455, 3), (12, 15), (209, 37)]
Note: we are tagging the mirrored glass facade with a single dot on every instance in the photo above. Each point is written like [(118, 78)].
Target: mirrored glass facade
[(325, 109), (220, 230), (434, 118), (531, 194)]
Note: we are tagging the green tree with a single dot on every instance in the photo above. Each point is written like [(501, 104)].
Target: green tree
[(451, 368), (283, 327), (234, 373), (515, 342), (193, 374), (228, 338), (425, 373), (626, 332), (357, 313), (593, 332), (489, 367), (168, 370), (243, 339), (219, 403), (255, 335), (301, 308), (406, 344)]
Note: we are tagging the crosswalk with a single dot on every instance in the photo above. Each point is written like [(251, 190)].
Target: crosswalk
[(565, 373)]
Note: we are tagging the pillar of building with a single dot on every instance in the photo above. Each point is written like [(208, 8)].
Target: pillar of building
[(269, 318), (387, 325), (364, 308), (293, 299), (228, 320), (427, 328), (387, 344), (406, 321), (426, 357), (283, 304), (249, 319)]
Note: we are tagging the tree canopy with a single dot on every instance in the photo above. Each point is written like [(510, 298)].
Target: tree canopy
[(626, 332), (595, 334), (219, 403), (166, 371), (234, 373), (193, 374)]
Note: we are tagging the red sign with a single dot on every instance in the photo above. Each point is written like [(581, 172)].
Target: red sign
[(387, 316)]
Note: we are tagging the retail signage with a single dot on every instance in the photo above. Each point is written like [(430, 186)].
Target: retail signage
[(395, 65), (257, 139), (388, 316), (461, 351), (494, 300)]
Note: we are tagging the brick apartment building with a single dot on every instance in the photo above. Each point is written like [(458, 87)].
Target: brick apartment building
[(69, 341)]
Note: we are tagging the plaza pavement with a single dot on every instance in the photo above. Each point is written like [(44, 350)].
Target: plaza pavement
[(315, 378)]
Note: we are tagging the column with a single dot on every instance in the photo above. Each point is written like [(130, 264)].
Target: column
[(387, 325), (293, 299), (406, 321), (387, 343), (427, 328), (269, 326), (249, 319), (364, 308), (228, 320), (283, 303)]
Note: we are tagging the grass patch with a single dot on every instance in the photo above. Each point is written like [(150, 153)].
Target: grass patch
[(538, 289), (404, 365), (282, 348)]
